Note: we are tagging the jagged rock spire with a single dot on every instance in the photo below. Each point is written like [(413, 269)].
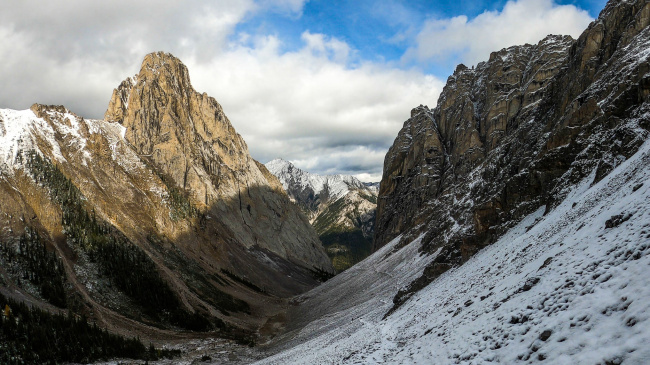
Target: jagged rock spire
[(187, 137)]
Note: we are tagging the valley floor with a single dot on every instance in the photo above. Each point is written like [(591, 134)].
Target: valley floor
[(202, 351), (568, 287)]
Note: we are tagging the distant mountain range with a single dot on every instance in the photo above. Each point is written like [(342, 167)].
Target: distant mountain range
[(340, 207)]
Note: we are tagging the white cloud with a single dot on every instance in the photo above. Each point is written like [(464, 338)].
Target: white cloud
[(75, 52), (319, 103), (320, 106), (326, 47), (310, 106), (361, 161), (472, 40)]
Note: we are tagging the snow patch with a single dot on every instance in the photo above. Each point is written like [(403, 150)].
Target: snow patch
[(18, 132)]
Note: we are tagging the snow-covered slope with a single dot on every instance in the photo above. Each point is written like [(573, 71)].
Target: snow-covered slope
[(568, 287), (22, 131), (19, 130)]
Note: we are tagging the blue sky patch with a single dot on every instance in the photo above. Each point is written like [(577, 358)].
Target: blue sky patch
[(377, 31)]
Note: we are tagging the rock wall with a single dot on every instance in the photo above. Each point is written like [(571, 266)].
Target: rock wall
[(515, 133)]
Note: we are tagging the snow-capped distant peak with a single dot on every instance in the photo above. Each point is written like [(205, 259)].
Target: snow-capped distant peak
[(293, 178), (372, 186)]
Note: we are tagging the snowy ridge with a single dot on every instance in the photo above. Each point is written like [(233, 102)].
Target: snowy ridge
[(22, 131), (568, 287), (372, 186), (342, 210), (292, 177), (18, 129)]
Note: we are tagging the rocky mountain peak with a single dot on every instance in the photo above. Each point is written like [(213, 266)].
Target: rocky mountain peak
[(419, 109), (280, 165), (166, 65), (187, 138), (160, 68), (476, 110), (42, 110), (513, 134), (120, 100), (185, 134), (166, 72)]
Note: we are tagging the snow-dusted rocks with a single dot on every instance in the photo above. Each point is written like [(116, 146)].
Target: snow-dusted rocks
[(310, 190), (16, 135), (559, 288), (515, 133)]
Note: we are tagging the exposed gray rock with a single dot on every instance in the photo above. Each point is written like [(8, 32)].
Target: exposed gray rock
[(513, 133)]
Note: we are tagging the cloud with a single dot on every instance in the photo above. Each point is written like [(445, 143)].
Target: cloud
[(286, 7), (329, 48), (122, 28), (76, 51), (317, 106), (472, 40), (320, 104), (359, 161)]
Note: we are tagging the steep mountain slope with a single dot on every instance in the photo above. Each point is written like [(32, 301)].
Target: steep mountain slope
[(156, 216), (341, 209), (189, 140), (513, 134), (513, 218), (567, 287)]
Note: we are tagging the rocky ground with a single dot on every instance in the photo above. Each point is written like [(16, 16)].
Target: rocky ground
[(563, 287), (200, 351)]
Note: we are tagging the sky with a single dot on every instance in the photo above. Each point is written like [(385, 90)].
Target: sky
[(324, 84)]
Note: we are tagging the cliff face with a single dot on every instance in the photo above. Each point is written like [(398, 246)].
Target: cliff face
[(513, 134), (188, 139), (482, 114), (155, 216)]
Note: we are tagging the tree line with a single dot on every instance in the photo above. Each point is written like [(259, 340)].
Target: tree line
[(30, 260), (123, 263), (29, 335)]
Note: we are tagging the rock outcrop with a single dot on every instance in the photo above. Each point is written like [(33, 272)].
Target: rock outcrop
[(513, 134), (187, 138)]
